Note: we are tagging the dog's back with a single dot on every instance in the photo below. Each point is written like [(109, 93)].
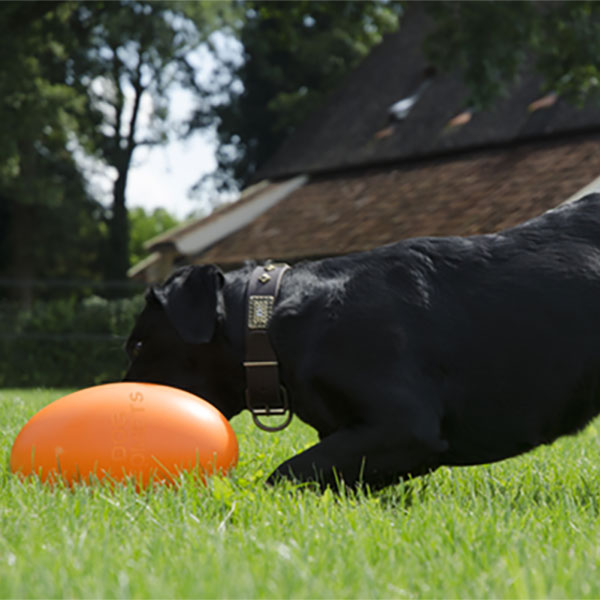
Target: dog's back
[(514, 326)]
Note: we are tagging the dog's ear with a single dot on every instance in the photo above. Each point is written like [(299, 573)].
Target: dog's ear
[(190, 297)]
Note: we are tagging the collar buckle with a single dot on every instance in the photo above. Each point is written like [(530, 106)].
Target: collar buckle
[(271, 411)]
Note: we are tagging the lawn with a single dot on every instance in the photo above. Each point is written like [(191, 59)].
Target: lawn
[(524, 528)]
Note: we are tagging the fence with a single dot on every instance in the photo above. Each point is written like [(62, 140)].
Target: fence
[(68, 333)]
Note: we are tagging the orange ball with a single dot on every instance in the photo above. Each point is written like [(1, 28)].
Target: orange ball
[(142, 430)]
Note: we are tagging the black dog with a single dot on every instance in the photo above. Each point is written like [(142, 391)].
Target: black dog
[(428, 352)]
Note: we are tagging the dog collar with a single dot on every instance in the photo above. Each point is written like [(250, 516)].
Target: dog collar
[(265, 396)]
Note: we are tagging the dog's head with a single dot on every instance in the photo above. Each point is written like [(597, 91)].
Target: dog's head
[(179, 340)]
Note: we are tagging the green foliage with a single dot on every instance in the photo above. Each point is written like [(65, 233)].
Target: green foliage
[(568, 50), (489, 42), (524, 528), (144, 226), (37, 104), (294, 54), (49, 225), (65, 342)]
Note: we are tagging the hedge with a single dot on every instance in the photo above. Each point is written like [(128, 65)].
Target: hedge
[(65, 343)]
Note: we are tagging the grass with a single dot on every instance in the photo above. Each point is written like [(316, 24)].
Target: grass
[(524, 528)]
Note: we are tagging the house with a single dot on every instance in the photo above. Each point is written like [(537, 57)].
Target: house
[(395, 152)]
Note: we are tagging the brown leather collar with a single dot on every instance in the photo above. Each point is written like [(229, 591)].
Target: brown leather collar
[(265, 396)]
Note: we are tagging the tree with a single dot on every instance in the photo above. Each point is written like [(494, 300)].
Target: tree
[(49, 223), (294, 53), (128, 52), (489, 43), (84, 79)]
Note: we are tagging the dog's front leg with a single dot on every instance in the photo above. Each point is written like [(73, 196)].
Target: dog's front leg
[(370, 455)]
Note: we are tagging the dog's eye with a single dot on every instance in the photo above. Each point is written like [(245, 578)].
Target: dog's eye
[(136, 349)]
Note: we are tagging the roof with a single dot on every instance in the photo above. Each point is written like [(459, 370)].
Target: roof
[(475, 193), (173, 234), (198, 234), (353, 129)]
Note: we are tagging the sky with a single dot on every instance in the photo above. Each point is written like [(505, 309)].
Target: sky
[(162, 176)]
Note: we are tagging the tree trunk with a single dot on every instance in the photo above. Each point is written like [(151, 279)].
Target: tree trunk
[(117, 263)]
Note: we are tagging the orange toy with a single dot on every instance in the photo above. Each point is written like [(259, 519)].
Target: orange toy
[(148, 431)]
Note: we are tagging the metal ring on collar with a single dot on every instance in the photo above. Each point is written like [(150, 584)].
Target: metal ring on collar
[(272, 412)]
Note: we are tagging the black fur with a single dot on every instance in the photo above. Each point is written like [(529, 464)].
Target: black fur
[(428, 352)]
